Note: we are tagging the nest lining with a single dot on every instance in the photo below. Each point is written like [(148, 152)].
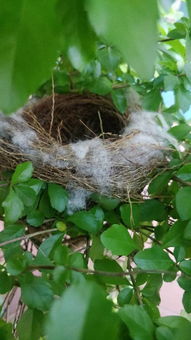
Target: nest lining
[(55, 133)]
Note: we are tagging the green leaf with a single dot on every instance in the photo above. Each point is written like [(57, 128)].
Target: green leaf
[(107, 265), (109, 58), (159, 183), (35, 218), (23, 173), (23, 48), (152, 287), (11, 231), (75, 24), (189, 7), (35, 184), (187, 69), (186, 300), (117, 22), (180, 326), (99, 215), (151, 308), (124, 296), (74, 316), (61, 255), (183, 203), (164, 333), (36, 293), (183, 98), (152, 210), (76, 260), (49, 245), (6, 282), (119, 99), (153, 259), (58, 197), (107, 203), (130, 214), (188, 47), (16, 262), (184, 283), (26, 194), (187, 231), (97, 249), (174, 236), (179, 32), (184, 172), (170, 82), (185, 266), (87, 220), (180, 131), (179, 253), (117, 239), (30, 326), (45, 206), (101, 86), (138, 322), (6, 330), (4, 190), (13, 207), (152, 100)]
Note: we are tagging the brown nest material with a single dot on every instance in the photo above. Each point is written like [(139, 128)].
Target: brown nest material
[(72, 117), (77, 140)]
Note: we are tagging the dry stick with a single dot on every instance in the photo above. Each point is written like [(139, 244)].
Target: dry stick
[(101, 124), (136, 288), (131, 209), (27, 237), (87, 127), (120, 86), (53, 106)]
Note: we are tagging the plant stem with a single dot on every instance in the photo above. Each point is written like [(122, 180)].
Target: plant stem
[(136, 288)]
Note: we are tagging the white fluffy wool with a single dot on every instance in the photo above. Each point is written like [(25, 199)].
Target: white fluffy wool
[(93, 160), (77, 199), (147, 141), (147, 123)]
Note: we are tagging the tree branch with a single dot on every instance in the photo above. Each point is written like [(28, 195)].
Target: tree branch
[(103, 273)]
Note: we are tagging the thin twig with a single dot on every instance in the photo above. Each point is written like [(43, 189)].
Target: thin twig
[(120, 86), (167, 39), (27, 237), (155, 240), (53, 106), (181, 181), (101, 124), (136, 288), (87, 127)]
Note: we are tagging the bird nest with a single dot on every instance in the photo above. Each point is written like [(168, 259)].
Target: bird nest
[(82, 141)]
